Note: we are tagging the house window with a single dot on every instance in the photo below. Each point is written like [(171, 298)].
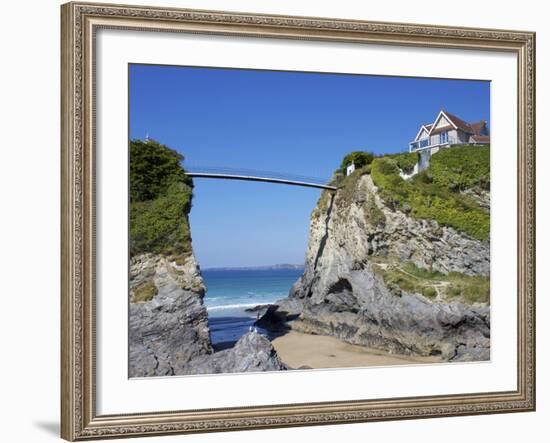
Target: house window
[(444, 137)]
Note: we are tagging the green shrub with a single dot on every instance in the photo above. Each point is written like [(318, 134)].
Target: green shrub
[(153, 168), (359, 158), (462, 167), (387, 166), (429, 292), (406, 161), (454, 290), (160, 200)]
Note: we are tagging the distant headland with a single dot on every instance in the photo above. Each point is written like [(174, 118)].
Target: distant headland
[(280, 266)]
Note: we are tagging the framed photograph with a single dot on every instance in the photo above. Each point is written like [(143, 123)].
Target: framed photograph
[(277, 221)]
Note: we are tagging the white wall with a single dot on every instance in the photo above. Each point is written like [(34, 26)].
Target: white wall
[(29, 183)]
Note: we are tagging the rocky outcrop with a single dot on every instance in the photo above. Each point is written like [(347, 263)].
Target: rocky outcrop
[(252, 353), (340, 293), (169, 330), (168, 327), (481, 196), (277, 316)]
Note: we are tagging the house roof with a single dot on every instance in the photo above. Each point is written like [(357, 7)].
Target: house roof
[(481, 138), (478, 126), (459, 123), (423, 128), (472, 129)]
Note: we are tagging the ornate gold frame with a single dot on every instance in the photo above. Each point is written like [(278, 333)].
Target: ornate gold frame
[(79, 420)]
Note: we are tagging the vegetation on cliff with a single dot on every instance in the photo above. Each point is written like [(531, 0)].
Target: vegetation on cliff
[(405, 161), (144, 292), (160, 200), (358, 158), (462, 167), (435, 193), (454, 286)]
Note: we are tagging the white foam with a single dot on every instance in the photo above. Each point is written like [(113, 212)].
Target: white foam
[(235, 306)]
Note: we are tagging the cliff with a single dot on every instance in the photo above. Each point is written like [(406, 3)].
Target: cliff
[(168, 322), (379, 274)]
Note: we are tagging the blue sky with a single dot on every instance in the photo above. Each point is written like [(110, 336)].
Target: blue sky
[(288, 122)]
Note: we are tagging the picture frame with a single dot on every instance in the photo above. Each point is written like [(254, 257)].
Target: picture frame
[(80, 24)]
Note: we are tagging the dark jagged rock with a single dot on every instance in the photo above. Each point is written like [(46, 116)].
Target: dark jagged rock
[(277, 316), (257, 308), (252, 353)]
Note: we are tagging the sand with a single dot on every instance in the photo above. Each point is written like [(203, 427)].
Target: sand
[(318, 351)]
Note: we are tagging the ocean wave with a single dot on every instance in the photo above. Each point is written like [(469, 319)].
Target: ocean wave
[(235, 306), (264, 293), (247, 295)]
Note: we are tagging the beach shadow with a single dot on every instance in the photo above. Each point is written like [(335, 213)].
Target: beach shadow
[(274, 322), (49, 427)]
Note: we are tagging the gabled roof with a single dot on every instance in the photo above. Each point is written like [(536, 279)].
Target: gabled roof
[(458, 122), (435, 130), (472, 129), (422, 128)]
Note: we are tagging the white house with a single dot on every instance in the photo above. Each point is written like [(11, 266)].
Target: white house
[(447, 130)]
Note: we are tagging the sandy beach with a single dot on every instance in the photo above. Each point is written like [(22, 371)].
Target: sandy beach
[(318, 351)]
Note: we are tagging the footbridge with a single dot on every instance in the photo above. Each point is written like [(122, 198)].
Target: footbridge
[(258, 176)]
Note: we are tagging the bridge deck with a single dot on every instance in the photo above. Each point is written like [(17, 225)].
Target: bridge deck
[(260, 179)]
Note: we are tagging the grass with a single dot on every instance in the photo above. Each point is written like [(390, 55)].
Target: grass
[(452, 287), (450, 170), (406, 161), (434, 193), (473, 289), (161, 225), (144, 292)]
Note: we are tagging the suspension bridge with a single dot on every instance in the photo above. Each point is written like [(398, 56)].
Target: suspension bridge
[(258, 176)]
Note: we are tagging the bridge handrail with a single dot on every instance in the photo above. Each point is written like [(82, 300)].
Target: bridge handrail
[(256, 173)]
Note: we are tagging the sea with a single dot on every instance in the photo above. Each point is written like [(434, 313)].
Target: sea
[(231, 291)]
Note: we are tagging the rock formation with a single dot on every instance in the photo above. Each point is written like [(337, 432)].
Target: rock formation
[(170, 328), (169, 333), (252, 353), (168, 322), (353, 234)]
